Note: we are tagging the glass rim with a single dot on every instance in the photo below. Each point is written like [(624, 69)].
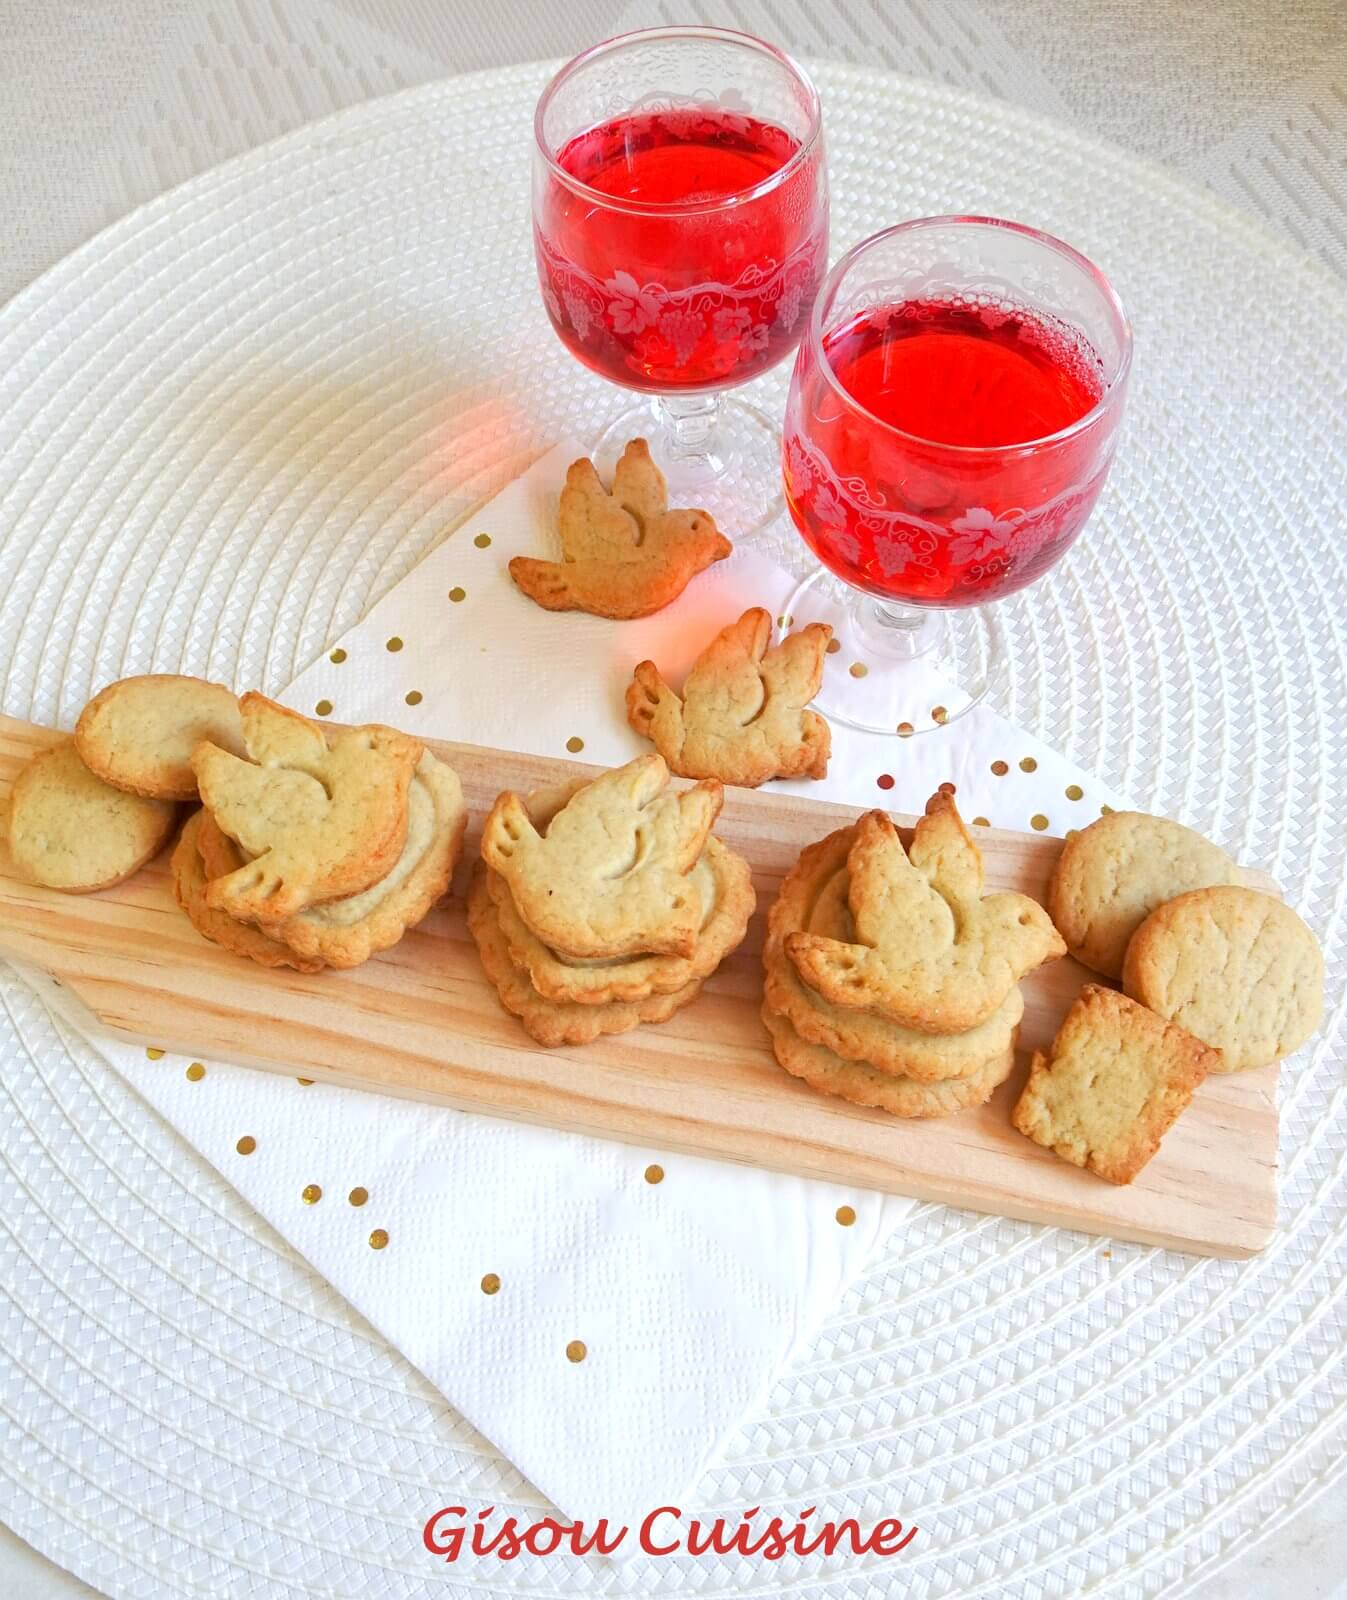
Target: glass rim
[(676, 208), (1113, 388)]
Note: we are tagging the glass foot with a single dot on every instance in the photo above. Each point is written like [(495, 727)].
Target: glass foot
[(719, 454), (895, 669)]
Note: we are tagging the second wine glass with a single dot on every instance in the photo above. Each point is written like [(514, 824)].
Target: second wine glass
[(680, 222), (952, 417)]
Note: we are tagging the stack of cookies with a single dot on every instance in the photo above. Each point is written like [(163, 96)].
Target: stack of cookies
[(604, 904), (889, 979), (314, 850)]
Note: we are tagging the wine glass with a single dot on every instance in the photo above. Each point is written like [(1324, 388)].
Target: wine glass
[(953, 414), (680, 224)]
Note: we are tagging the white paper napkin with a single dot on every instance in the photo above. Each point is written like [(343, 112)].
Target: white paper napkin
[(688, 1293)]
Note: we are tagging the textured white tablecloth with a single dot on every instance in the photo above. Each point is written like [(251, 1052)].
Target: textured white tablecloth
[(103, 106)]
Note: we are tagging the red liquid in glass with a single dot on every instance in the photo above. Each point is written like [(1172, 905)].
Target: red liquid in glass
[(940, 373), (699, 298), (897, 515)]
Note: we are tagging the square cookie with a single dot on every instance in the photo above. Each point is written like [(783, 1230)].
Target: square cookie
[(1116, 1080)]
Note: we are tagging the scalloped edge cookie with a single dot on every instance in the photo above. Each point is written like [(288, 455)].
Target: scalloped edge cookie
[(316, 818), (190, 878), (882, 1091), (346, 933), (554, 1023), (729, 880)]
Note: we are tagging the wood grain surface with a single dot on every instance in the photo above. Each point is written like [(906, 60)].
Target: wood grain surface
[(422, 1021)]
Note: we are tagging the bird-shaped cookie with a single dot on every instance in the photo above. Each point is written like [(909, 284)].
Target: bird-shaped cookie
[(741, 717), (318, 820), (624, 553), (609, 877), (929, 952)]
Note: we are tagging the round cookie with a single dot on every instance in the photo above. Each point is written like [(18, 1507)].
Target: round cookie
[(139, 734), (1113, 874), (1237, 968), (69, 830), (813, 899), (555, 1022), (864, 1086), (190, 877)]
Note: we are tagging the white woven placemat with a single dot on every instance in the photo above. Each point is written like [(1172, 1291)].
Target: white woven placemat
[(237, 418)]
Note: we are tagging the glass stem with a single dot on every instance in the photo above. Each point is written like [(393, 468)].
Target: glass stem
[(898, 632), (689, 423), (902, 619)]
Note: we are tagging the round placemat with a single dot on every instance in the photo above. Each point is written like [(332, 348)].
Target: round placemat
[(235, 419)]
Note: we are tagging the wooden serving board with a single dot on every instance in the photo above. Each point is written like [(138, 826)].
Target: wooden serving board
[(422, 1021)]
